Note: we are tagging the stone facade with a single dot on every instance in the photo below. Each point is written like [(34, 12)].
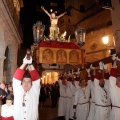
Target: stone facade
[(97, 22), (9, 43)]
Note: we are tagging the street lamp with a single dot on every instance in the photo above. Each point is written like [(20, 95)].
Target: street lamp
[(105, 39), (80, 36), (38, 32)]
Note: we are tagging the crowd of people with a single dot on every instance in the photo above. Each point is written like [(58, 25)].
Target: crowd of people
[(50, 92), (96, 97)]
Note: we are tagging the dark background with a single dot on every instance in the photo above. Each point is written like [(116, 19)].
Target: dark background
[(31, 13)]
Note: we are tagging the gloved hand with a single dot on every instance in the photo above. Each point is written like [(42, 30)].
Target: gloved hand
[(78, 71), (65, 74), (101, 65), (91, 67), (88, 71), (68, 73), (72, 71), (26, 61), (118, 59), (105, 66), (114, 57)]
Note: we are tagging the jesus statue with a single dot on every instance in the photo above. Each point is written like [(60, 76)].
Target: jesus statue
[(54, 30)]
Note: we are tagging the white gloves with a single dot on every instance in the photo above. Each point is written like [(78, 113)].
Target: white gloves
[(88, 71), (91, 67), (65, 74), (72, 71), (78, 71), (101, 65), (69, 74), (114, 57), (26, 61), (118, 59), (105, 66)]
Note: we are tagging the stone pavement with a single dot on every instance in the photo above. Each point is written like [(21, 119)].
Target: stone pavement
[(47, 112)]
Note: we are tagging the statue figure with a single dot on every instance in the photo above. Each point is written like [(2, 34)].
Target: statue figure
[(54, 30)]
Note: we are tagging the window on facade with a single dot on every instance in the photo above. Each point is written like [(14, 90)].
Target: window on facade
[(68, 13), (82, 8)]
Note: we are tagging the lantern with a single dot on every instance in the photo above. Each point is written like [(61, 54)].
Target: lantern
[(80, 36), (38, 32)]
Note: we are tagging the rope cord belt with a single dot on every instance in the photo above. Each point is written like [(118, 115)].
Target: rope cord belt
[(115, 106), (65, 96), (83, 103), (103, 105)]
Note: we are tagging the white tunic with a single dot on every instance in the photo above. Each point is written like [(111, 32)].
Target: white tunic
[(7, 111), (30, 111), (102, 101), (64, 100), (92, 102), (75, 86), (82, 98), (115, 99)]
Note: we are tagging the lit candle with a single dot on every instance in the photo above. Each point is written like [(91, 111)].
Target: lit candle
[(37, 34)]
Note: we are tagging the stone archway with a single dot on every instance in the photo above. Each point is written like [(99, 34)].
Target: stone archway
[(10, 63), (6, 66)]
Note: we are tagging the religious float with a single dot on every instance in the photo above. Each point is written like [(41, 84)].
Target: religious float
[(56, 49)]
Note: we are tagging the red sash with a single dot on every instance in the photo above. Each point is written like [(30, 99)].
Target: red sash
[(7, 118)]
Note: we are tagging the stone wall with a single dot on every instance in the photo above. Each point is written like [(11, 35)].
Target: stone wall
[(10, 40)]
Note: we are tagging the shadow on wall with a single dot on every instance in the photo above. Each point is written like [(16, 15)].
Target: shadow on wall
[(21, 55)]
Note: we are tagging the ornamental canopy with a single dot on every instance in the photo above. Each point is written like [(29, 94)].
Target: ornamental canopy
[(55, 52)]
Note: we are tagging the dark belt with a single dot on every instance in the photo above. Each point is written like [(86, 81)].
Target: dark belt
[(65, 96), (102, 105), (83, 103), (115, 106)]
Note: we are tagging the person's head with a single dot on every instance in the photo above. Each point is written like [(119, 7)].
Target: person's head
[(64, 80), (83, 82), (9, 100), (53, 15), (101, 79), (26, 82), (118, 81), (10, 88), (101, 82), (2, 86)]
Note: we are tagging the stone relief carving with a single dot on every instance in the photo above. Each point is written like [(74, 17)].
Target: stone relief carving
[(61, 56), (73, 56), (47, 55)]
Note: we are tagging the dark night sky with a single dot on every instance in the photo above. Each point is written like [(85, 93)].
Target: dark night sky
[(29, 15)]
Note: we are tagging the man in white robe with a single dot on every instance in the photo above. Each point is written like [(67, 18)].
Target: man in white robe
[(92, 91), (65, 99), (82, 97), (115, 92), (102, 96), (26, 92), (75, 86)]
